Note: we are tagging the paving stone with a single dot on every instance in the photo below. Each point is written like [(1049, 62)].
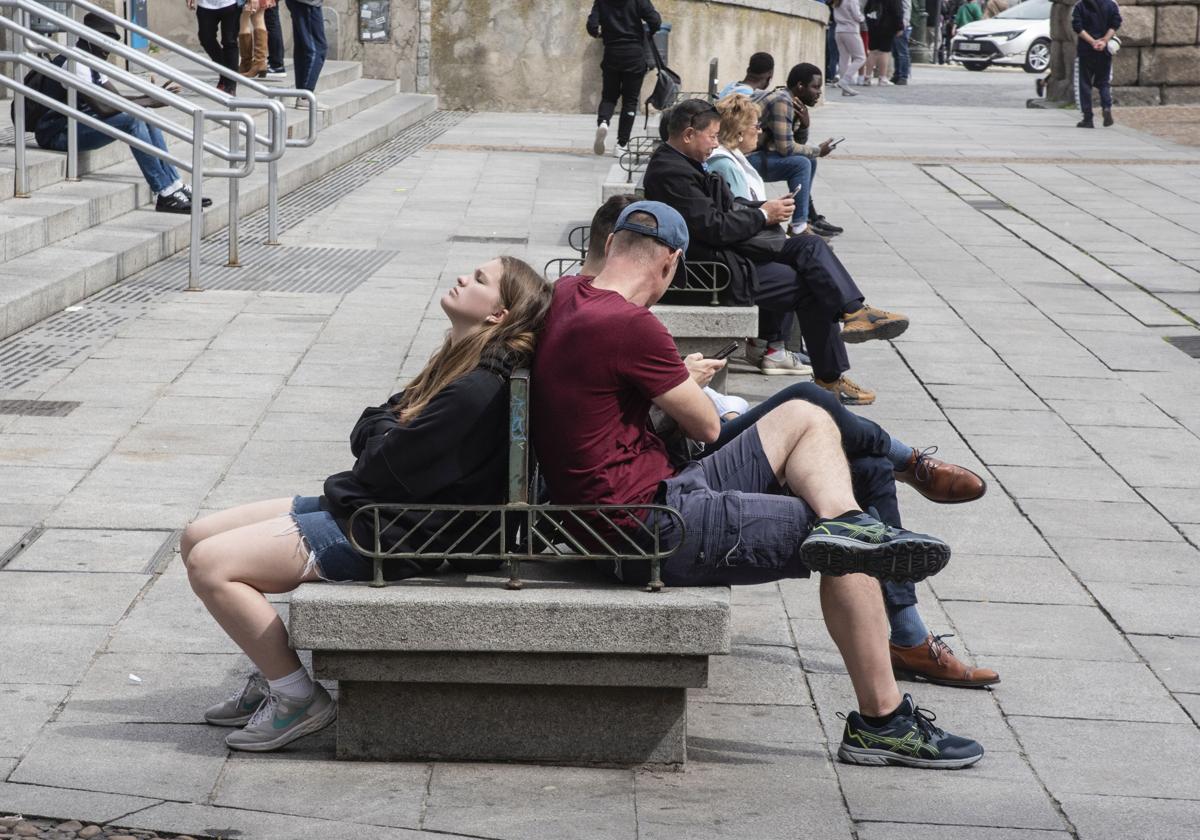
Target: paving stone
[(75, 597), (1173, 503), (754, 675), (760, 624), (10, 536), (1027, 580), (170, 619), (24, 709), (1099, 520), (1121, 817), (719, 732), (1130, 560), (1094, 484), (1080, 689), (68, 803), (1150, 608), (33, 655), (208, 820), (1103, 390), (1176, 660), (1130, 759), (90, 550), (1111, 413), (565, 802), (1039, 630), (71, 451), (1040, 451), (925, 831), (83, 756), (377, 793), (1152, 457)]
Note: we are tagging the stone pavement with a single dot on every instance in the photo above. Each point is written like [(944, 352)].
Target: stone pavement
[(1041, 284)]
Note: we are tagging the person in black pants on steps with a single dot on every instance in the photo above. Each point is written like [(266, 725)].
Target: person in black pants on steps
[(619, 24), (226, 14)]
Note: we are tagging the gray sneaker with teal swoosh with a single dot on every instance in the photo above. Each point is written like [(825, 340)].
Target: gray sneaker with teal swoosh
[(857, 542), (236, 711), (281, 720)]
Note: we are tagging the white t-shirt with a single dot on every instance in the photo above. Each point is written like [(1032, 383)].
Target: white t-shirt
[(85, 74), (214, 4)]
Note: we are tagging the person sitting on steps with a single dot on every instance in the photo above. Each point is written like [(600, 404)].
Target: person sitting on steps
[(443, 440)]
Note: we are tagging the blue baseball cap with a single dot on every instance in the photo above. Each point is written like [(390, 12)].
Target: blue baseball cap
[(671, 230)]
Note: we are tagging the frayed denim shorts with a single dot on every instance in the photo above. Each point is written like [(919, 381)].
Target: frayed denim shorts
[(329, 551)]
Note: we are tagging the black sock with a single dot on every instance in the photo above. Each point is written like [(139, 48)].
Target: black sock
[(885, 720)]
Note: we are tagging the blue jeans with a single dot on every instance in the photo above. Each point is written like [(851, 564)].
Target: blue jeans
[(308, 40), (831, 53), (900, 55), (797, 170), (158, 173)]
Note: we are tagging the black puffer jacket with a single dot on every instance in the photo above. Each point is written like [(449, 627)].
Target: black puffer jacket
[(454, 452)]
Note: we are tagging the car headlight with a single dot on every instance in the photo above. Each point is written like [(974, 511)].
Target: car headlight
[(1007, 36)]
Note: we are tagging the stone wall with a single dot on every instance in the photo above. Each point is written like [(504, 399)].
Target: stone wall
[(515, 55), (1159, 60)]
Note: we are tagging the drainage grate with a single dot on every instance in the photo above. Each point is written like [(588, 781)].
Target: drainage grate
[(38, 408), (1189, 344), (60, 338)]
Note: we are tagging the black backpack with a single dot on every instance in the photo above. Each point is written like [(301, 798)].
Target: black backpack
[(34, 111)]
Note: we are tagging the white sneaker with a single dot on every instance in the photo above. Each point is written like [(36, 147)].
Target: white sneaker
[(846, 89), (885, 82), (781, 362), (726, 403), (619, 150), (601, 136)]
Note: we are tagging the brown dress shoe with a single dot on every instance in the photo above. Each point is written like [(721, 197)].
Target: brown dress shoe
[(947, 484), (933, 661)]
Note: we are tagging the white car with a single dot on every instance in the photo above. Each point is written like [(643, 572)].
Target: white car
[(1018, 36)]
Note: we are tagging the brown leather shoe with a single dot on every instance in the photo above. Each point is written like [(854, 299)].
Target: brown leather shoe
[(938, 481), (933, 661)]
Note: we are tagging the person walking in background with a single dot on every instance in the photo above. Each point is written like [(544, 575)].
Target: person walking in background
[(1095, 22), (619, 24), (847, 20), (308, 42), (884, 24), (831, 48), (252, 40), (225, 15), (900, 55), (275, 68)]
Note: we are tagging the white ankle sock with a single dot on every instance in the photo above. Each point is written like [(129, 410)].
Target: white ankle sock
[(173, 188), (295, 686)]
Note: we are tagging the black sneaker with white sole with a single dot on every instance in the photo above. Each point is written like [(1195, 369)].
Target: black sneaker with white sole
[(908, 739), (857, 542), (176, 202)]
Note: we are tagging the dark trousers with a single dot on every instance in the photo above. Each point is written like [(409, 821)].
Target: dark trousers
[(225, 50), (308, 42), (866, 446), (808, 280), (1095, 70), (274, 39), (831, 53), (621, 79)]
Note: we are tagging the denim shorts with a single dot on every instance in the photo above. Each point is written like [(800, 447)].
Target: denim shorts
[(740, 526), (329, 552)]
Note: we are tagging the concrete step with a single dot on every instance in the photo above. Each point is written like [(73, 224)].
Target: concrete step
[(44, 281), (62, 209), (47, 168)]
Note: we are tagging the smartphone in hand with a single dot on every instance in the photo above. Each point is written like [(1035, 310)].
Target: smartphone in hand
[(726, 351)]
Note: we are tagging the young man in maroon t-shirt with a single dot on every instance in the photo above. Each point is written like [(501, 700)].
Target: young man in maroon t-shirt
[(602, 360)]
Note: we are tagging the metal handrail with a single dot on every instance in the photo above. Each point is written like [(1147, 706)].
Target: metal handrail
[(226, 114)]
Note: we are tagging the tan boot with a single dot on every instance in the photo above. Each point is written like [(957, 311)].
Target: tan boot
[(245, 52), (258, 62)]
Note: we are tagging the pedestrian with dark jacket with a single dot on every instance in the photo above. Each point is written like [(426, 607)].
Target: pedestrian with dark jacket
[(798, 275), (442, 440), (1095, 22), (623, 26)]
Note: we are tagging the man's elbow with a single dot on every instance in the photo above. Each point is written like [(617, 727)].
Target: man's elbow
[(710, 432)]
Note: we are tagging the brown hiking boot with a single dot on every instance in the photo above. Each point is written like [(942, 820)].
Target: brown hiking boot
[(848, 391), (869, 324), (938, 481), (933, 661)]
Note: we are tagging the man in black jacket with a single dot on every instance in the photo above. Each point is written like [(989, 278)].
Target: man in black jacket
[(804, 277), (619, 24), (1095, 22)]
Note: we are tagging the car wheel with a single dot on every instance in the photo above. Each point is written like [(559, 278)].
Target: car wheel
[(1037, 59), (975, 65)]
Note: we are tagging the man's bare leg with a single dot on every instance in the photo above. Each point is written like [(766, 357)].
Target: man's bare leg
[(804, 447), (854, 615)]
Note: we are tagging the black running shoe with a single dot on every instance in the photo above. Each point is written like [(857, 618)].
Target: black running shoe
[(204, 202), (858, 542), (176, 202), (821, 223), (909, 739)]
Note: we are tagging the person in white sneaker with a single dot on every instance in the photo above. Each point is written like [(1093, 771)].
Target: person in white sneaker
[(623, 26), (441, 440)]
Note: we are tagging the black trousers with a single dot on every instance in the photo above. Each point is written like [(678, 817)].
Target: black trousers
[(622, 77), (224, 51), (274, 38), (807, 279), (1095, 70)]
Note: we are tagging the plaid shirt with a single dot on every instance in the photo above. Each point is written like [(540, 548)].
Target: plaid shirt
[(778, 126)]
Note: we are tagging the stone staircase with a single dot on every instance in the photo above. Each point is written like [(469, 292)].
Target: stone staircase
[(69, 239)]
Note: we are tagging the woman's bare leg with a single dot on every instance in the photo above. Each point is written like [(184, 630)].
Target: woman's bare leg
[(227, 520), (232, 569)]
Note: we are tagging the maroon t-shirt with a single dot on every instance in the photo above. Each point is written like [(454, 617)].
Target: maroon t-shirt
[(600, 360)]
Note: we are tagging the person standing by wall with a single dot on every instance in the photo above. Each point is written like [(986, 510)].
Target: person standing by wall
[(619, 23), (900, 54), (225, 14), (847, 18), (308, 41), (1095, 22)]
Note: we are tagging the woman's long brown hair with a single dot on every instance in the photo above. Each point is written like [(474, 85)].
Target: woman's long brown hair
[(526, 295)]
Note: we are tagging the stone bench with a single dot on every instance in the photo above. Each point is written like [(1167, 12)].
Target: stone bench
[(618, 182), (572, 669), (707, 329)]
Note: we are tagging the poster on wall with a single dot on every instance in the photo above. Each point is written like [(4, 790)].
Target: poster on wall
[(373, 20)]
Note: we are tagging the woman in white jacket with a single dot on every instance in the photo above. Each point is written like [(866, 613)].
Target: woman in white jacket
[(848, 20)]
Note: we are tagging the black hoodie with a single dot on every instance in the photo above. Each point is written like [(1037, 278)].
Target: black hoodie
[(454, 452), (619, 24)]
